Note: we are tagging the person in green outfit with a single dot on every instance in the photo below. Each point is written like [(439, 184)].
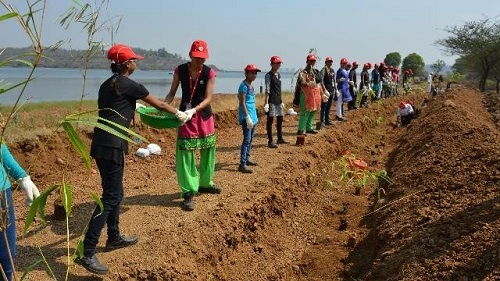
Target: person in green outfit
[(311, 88), (197, 83)]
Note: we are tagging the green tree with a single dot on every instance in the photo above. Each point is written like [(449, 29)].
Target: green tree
[(477, 41), (438, 66), (393, 59), (414, 62)]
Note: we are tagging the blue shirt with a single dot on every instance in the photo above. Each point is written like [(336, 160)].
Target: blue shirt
[(10, 167), (249, 93)]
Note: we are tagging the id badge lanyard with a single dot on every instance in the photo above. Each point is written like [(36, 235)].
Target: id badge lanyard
[(192, 87)]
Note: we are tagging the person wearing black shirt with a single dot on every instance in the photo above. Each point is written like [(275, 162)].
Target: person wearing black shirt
[(274, 106), (328, 75), (353, 87)]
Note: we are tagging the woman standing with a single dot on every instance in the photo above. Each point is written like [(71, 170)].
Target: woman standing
[(116, 102), (247, 116), (197, 83)]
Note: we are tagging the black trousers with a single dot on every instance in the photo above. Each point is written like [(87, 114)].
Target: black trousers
[(279, 127), (325, 109), (112, 194)]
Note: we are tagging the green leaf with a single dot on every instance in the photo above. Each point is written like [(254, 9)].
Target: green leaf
[(79, 250), (8, 16), (97, 200), (25, 62), (30, 268), (38, 204), (67, 198), (77, 143)]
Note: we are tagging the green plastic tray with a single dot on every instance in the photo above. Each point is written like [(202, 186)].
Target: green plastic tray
[(157, 118)]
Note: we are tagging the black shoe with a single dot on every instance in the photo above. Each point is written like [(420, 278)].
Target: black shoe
[(341, 119), (312, 132), (92, 264), (244, 169), (271, 144), (251, 163), (210, 189), (280, 141), (120, 242), (328, 123), (188, 203)]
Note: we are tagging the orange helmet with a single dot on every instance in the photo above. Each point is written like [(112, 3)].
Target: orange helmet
[(344, 61)]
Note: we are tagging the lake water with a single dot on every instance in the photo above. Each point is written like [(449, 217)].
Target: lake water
[(63, 84)]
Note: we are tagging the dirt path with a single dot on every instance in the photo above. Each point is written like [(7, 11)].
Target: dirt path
[(279, 223)]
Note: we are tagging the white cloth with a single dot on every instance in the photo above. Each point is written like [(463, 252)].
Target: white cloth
[(142, 152), (291, 112), (153, 149)]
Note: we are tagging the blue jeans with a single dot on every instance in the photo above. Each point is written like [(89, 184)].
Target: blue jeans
[(10, 232), (247, 143), (112, 195), (325, 108)]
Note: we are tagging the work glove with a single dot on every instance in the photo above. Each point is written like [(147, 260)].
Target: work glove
[(190, 113), (337, 93), (266, 108), (325, 96), (351, 83), (249, 121), (342, 79), (30, 189), (283, 106), (139, 105), (181, 116)]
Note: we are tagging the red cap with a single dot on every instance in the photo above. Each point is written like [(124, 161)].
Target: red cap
[(199, 49), (120, 53), (251, 67), (355, 63), (348, 64), (311, 57), (276, 59), (328, 59), (344, 61), (402, 105)]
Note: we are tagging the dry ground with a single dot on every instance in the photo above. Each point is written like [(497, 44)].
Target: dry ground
[(440, 221)]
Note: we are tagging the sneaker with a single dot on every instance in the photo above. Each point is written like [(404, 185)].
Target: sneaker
[(244, 169), (282, 141), (341, 119), (188, 203), (328, 123), (120, 242), (92, 264), (312, 132), (271, 144), (210, 189)]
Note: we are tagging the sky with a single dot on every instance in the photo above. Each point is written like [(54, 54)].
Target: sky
[(243, 32)]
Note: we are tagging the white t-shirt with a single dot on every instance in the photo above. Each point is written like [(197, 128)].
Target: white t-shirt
[(405, 111)]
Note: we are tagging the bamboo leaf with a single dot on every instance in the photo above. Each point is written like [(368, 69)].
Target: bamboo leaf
[(8, 16), (38, 204), (97, 200), (77, 143), (25, 62), (79, 250), (67, 198), (30, 268)]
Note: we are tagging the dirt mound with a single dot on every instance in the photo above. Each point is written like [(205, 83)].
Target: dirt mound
[(444, 221), (282, 221)]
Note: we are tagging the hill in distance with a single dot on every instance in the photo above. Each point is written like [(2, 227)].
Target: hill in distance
[(62, 58)]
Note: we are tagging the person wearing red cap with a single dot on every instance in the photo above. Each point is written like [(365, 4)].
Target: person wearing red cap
[(117, 103), (197, 82), (247, 116), (310, 98), (342, 79), (404, 114), (395, 81), (406, 86), (353, 86), (364, 85), (328, 75), (273, 103)]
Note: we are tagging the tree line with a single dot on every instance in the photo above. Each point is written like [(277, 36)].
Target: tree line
[(159, 59)]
